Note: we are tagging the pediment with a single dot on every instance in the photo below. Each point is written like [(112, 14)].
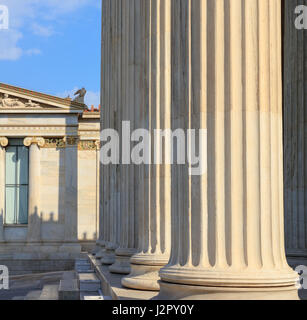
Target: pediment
[(15, 99)]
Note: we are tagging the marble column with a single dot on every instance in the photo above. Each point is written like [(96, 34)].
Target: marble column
[(295, 137), (3, 143), (34, 218), (152, 40), (111, 67), (128, 219), (227, 223)]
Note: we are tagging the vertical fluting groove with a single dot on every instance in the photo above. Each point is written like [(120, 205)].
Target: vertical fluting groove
[(131, 88), (157, 176), (265, 115), (220, 136), (102, 208), (107, 119), (166, 113), (227, 131), (151, 76), (119, 169), (203, 246), (275, 135), (211, 63), (252, 134), (189, 243), (175, 256), (181, 203), (142, 82), (125, 193), (279, 10), (236, 110)]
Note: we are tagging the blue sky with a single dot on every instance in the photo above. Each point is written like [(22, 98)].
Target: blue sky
[(52, 46)]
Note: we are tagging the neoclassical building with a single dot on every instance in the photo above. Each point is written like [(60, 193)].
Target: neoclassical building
[(215, 65), (49, 185)]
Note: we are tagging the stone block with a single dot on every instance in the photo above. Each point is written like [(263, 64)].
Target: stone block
[(69, 290)]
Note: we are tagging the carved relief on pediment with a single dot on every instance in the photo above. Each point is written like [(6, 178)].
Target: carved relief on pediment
[(8, 102)]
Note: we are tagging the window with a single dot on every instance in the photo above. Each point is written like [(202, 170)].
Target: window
[(16, 183)]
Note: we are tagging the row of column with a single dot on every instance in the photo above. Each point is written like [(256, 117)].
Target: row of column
[(213, 66)]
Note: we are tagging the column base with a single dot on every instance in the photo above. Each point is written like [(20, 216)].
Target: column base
[(100, 253), (122, 261), (143, 277), (121, 265), (108, 257), (171, 291)]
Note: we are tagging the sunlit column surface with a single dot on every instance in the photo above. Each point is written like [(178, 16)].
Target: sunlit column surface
[(227, 224)]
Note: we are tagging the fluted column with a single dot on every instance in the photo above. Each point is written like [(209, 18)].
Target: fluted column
[(227, 224), (152, 21), (111, 92), (3, 143), (34, 216), (295, 142), (128, 219)]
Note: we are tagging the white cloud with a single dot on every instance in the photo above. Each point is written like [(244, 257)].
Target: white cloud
[(91, 99), (34, 15)]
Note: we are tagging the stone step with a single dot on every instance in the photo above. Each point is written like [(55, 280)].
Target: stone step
[(68, 290), (85, 271), (89, 282), (82, 261), (82, 267), (33, 295), (50, 292)]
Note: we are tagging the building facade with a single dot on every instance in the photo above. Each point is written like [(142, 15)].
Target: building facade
[(49, 186)]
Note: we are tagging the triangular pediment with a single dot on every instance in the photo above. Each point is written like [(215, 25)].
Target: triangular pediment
[(21, 100)]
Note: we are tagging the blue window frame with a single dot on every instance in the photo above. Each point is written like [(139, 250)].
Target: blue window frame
[(16, 183)]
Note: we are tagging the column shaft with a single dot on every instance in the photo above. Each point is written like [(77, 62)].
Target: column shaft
[(152, 38), (111, 63), (227, 224), (127, 218)]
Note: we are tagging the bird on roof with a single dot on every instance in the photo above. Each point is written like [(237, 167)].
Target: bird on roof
[(80, 96)]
